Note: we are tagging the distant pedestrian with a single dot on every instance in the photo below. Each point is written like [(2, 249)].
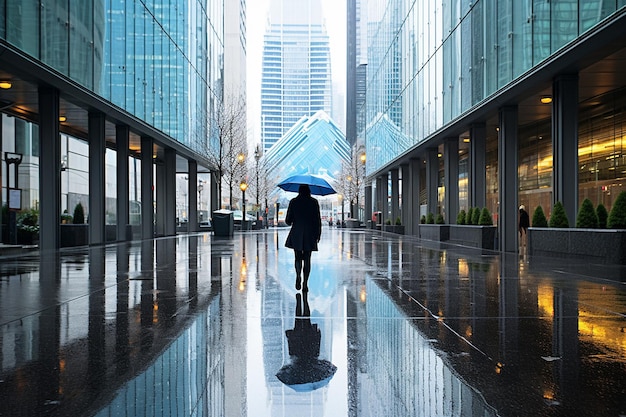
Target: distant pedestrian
[(523, 225), (303, 215)]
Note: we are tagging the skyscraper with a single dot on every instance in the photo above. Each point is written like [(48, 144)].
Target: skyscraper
[(296, 78)]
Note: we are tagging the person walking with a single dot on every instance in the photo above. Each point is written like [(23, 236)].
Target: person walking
[(523, 225), (303, 215)]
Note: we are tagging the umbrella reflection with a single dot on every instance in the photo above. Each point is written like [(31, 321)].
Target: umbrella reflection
[(305, 372)]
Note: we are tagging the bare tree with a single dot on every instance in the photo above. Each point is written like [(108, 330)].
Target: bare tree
[(352, 179), (261, 182), (228, 145)]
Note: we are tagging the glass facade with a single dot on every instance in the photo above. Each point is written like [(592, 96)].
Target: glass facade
[(158, 60), (601, 154), (430, 62), (313, 145)]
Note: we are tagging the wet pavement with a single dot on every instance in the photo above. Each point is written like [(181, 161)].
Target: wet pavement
[(196, 325)]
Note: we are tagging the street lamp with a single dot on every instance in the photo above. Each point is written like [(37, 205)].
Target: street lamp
[(362, 158), (243, 186), (340, 197), (200, 188), (257, 156)]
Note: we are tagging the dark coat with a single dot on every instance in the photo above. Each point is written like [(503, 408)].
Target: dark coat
[(303, 215), (524, 221)]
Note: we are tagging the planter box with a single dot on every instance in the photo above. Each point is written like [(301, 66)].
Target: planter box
[(483, 237), (74, 235), (394, 228), (27, 238), (437, 232), (601, 245)]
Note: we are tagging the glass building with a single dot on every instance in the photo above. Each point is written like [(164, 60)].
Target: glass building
[(313, 145), (103, 103), (296, 73), (493, 103)]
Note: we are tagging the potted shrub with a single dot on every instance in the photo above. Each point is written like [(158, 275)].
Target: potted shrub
[(602, 216), (468, 217), (539, 218), (559, 217), (485, 218), (481, 234), (395, 228), (435, 228), (423, 219), (476, 216), (460, 218), (79, 214), (587, 217), (28, 227), (585, 242), (617, 217), (77, 232), (66, 218)]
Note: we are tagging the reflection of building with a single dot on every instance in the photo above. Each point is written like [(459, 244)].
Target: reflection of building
[(296, 79), (501, 112), (107, 103)]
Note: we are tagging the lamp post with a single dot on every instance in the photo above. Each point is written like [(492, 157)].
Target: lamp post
[(243, 186), (361, 171), (257, 156), (340, 197), (200, 188)]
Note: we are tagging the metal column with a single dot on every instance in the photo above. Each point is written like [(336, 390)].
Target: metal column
[(451, 179), (565, 144), (368, 202), (478, 157), (508, 182), (432, 181), (414, 195), (122, 134), (49, 170), (192, 192), (395, 195), (97, 179), (147, 199), (170, 191), (407, 202)]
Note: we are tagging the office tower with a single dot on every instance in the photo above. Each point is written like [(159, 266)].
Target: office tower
[(296, 72)]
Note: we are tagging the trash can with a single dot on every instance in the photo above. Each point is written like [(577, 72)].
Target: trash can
[(223, 223)]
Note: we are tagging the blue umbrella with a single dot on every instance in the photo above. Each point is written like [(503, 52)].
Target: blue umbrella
[(307, 375), (318, 185)]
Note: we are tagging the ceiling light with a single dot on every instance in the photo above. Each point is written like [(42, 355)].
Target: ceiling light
[(5, 85), (466, 140), (546, 99), (62, 119)]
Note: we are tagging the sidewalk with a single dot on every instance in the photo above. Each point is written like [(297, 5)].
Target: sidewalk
[(196, 325)]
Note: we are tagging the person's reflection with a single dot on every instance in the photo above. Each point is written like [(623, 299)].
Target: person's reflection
[(305, 372)]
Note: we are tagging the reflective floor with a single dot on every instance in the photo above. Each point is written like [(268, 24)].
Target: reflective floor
[(391, 326)]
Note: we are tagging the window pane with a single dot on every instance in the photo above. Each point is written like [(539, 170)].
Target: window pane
[(54, 34), (22, 24)]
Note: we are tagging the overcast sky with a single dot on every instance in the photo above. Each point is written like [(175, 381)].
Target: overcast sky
[(335, 13)]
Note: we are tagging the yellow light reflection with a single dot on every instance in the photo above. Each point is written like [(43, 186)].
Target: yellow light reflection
[(463, 269), (545, 299), (155, 312), (499, 367), (363, 294)]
